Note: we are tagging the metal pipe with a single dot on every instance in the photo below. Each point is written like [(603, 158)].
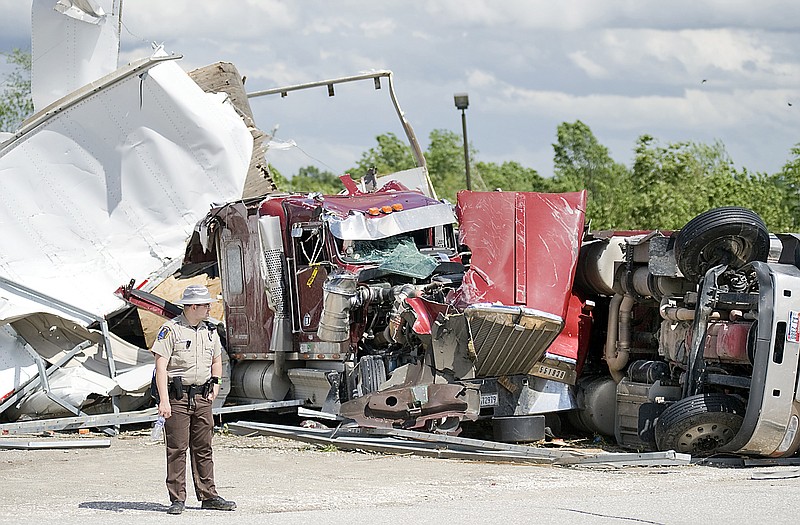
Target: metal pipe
[(618, 337), (670, 312), (273, 261), (466, 148), (339, 290), (674, 313)]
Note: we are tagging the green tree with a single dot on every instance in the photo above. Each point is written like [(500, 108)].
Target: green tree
[(581, 162), (16, 103), (512, 176), (389, 156), (787, 192), (673, 183), (312, 179), (281, 183), (445, 158)]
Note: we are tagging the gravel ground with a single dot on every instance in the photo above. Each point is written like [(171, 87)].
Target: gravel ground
[(279, 481)]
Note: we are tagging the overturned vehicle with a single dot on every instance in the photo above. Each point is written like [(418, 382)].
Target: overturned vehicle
[(700, 331), (395, 310)]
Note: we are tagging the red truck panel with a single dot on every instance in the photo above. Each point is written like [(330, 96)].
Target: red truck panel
[(524, 247)]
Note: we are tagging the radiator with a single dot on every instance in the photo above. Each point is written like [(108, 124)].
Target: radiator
[(509, 339)]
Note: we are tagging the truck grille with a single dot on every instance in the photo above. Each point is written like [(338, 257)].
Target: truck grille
[(508, 339)]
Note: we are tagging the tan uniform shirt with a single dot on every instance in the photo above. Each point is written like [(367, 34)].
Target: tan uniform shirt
[(189, 350)]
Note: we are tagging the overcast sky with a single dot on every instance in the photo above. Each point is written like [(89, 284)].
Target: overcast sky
[(724, 70)]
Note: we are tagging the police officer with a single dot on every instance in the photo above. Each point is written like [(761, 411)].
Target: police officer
[(188, 358)]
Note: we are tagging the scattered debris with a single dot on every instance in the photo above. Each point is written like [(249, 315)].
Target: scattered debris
[(397, 441), (48, 445), (381, 304), (777, 474)]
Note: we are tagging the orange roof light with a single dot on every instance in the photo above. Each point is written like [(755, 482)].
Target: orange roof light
[(397, 206), (387, 209), (374, 211)]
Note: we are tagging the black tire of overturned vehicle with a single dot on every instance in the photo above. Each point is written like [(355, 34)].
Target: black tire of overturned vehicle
[(700, 425), (728, 235)]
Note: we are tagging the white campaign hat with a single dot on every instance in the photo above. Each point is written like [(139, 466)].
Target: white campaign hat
[(196, 294)]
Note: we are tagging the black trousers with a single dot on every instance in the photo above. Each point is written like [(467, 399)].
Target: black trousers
[(190, 428)]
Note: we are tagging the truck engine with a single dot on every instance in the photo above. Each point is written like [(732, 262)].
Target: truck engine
[(699, 355)]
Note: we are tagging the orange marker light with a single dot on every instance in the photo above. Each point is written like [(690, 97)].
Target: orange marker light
[(374, 211), (397, 206), (387, 209)]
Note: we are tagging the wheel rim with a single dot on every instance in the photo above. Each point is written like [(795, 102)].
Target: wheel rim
[(728, 250), (705, 437)]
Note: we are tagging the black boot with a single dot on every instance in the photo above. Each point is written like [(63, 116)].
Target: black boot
[(218, 503)]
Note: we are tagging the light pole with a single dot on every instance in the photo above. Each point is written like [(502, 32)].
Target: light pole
[(462, 103)]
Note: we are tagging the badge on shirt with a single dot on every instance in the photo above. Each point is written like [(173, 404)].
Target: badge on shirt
[(163, 333)]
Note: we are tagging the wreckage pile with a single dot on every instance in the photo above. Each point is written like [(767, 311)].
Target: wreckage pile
[(382, 304), (103, 184)]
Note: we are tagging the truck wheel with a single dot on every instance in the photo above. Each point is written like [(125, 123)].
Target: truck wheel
[(699, 425), (729, 235)]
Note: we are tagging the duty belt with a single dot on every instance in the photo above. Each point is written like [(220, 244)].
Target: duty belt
[(177, 389)]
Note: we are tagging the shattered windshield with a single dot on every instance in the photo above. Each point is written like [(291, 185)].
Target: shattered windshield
[(398, 254)]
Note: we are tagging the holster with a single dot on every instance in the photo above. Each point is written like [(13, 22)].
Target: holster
[(175, 388)]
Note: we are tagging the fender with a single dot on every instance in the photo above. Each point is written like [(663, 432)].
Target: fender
[(426, 313)]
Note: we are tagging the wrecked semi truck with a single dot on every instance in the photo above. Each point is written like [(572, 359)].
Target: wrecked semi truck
[(367, 305), (394, 310)]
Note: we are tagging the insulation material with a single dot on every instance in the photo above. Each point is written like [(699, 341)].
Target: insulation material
[(16, 364), (83, 379), (74, 42), (103, 185), (80, 388), (110, 187), (171, 290)]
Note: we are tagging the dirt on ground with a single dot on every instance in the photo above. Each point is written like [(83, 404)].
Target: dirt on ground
[(275, 480)]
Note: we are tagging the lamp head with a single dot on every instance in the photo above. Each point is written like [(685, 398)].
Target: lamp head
[(461, 100)]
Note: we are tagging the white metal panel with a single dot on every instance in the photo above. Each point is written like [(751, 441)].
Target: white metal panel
[(73, 43), (107, 184)]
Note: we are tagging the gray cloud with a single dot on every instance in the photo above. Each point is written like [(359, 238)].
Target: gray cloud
[(625, 68)]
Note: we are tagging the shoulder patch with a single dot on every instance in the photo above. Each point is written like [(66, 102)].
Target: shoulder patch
[(163, 333)]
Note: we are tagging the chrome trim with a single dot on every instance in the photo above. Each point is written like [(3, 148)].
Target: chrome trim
[(358, 227)]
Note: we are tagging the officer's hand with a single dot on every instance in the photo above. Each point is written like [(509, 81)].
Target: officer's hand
[(164, 409), (212, 395)]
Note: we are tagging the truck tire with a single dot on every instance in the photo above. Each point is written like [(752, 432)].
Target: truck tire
[(729, 235), (699, 425)]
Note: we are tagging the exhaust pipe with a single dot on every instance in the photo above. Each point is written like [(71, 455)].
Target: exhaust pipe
[(272, 265), (339, 293), (618, 338)]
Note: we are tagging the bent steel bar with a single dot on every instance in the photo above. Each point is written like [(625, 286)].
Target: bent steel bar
[(376, 76), (73, 312)]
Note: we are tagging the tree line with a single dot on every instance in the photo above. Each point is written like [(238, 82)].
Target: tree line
[(666, 185)]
